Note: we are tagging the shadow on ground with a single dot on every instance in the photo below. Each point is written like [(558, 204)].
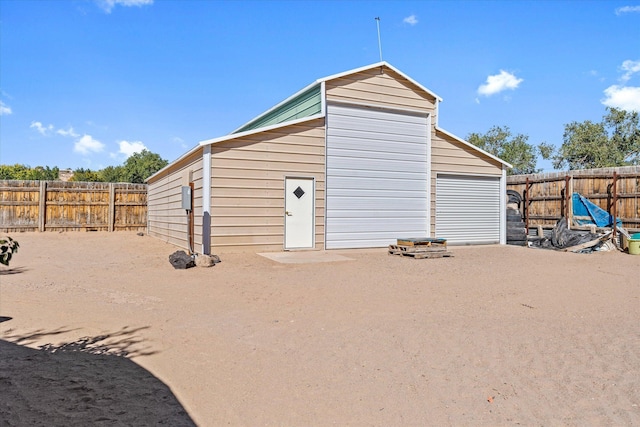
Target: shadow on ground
[(90, 381), (16, 270)]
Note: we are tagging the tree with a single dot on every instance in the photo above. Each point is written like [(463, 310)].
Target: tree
[(140, 166), (112, 174), (16, 171), (25, 172), (513, 149), (613, 142), (45, 173), (86, 175), (137, 168)]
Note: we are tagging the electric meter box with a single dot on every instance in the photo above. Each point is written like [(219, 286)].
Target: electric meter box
[(186, 198)]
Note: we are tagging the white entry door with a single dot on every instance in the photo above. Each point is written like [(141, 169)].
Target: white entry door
[(299, 223)]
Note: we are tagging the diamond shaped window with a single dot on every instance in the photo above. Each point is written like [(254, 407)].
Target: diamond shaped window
[(299, 192)]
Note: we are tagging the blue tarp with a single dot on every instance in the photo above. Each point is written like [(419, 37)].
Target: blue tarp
[(583, 207)]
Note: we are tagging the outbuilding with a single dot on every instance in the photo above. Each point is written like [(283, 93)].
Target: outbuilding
[(354, 160)]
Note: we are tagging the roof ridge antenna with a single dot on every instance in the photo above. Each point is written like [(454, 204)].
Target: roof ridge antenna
[(379, 42)]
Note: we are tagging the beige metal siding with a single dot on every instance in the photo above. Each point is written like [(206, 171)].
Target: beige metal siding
[(451, 156), (247, 192), (382, 89), (167, 220)]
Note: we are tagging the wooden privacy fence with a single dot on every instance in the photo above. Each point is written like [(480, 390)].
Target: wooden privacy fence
[(547, 197), (67, 206)]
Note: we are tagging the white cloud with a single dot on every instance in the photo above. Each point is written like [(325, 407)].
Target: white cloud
[(180, 141), (5, 110), (498, 83), (596, 74), (627, 9), (68, 132), (50, 129), (411, 20), (622, 97), (631, 67), (83, 145), (108, 5), (129, 148), (87, 144), (43, 130)]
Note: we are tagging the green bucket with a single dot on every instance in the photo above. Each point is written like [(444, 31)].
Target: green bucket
[(634, 244)]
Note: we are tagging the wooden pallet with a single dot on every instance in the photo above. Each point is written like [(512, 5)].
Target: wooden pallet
[(419, 252), (423, 242)]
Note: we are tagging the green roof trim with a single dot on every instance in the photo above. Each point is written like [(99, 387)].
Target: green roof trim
[(306, 104)]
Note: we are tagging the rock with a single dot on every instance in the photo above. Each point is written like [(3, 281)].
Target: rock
[(205, 261), (140, 234), (180, 260)]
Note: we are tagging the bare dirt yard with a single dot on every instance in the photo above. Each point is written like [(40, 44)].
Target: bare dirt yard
[(99, 329)]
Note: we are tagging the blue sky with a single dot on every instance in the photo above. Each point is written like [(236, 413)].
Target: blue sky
[(85, 83)]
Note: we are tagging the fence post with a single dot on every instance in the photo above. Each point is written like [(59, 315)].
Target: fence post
[(615, 202), (567, 201), (112, 206), (570, 200), (42, 206), (525, 205)]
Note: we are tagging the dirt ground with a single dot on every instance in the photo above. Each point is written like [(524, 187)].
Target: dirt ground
[(99, 329)]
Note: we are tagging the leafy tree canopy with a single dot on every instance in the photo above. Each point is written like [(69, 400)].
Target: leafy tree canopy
[(25, 172), (112, 174), (85, 175), (140, 166), (136, 168), (615, 141), (513, 149)]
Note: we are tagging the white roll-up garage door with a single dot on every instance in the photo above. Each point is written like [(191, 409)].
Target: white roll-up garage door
[(376, 188), (468, 209)]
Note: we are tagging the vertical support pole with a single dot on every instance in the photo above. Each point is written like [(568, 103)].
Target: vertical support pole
[(192, 220), (525, 209), (615, 203), (112, 206), (430, 210), (567, 201), (206, 199), (42, 206)]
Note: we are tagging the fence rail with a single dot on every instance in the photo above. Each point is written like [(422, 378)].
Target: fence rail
[(547, 197), (58, 206)]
